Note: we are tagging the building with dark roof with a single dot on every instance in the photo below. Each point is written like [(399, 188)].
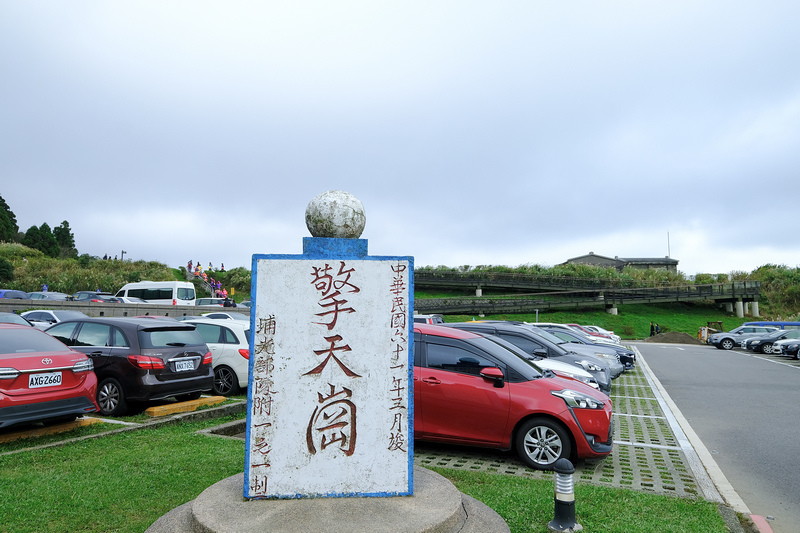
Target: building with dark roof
[(619, 263)]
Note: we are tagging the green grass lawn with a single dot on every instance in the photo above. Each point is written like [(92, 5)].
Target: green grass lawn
[(125, 481)]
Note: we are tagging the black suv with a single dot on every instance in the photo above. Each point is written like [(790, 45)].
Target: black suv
[(140, 359)]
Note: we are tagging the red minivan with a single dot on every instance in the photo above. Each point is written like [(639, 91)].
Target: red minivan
[(41, 379), (472, 391)]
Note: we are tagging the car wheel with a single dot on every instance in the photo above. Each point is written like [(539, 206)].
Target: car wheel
[(226, 383), (110, 398), (766, 347), (188, 397), (726, 344), (542, 442)]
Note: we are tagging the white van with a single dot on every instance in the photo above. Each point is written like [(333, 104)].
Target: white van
[(161, 292)]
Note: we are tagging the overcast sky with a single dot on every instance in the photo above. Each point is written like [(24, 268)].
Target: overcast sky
[(500, 133)]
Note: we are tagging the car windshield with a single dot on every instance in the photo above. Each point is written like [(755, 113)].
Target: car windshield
[(518, 362), (549, 337), (516, 350), (26, 340), (12, 318)]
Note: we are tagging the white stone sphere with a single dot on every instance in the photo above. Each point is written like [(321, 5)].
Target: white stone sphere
[(335, 214)]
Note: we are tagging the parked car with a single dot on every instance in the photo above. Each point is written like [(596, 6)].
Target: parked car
[(765, 343), (94, 296), (13, 318), (244, 303), (790, 349), (130, 300), (726, 340), (469, 390), (140, 359), (210, 301), (160, 292), (560, 368), (586, 331), (229, 342), (607, 354), (429, 319), (539, 344), (12, 294), (224, 315), (44, 318), (777, 346), (48, 295), (626, 357), (598, 329), (41, 379)]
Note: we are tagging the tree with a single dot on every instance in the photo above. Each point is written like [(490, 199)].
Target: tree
[(8, 223), (65, 240), (6, 270), (42, 239)]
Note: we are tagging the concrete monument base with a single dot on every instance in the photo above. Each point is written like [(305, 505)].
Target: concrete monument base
[(436, 507)]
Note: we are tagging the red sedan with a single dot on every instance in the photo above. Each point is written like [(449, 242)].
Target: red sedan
[(41, 378), (470, 390)]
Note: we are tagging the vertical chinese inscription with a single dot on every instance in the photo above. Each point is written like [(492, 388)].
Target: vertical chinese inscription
[(333, 420), (398, 395), (330, 378), (262, 394)]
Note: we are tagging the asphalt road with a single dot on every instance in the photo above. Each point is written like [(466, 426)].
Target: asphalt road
[(745, 409)]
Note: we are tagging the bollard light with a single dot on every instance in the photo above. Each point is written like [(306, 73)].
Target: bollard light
[(564, 519)]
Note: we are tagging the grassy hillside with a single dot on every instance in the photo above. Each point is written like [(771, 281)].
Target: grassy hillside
[(780, 286), (633, 321)]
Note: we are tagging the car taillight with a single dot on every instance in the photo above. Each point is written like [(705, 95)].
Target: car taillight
[(83, 366), (9, 373), (146, 362), (244, 352), (207, 359)]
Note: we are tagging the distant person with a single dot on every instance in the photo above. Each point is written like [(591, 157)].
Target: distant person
[(652, 329), (658, 330), (189, 267), (222, 267), (209, 266), (226, 303)]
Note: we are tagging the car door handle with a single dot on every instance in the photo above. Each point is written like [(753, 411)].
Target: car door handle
[(95, 354), (432, 381)]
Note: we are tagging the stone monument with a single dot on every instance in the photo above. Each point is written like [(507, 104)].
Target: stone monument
[(331, 368), (329, 432)]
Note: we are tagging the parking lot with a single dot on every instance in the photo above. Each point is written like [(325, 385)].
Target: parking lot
[(648, 455)]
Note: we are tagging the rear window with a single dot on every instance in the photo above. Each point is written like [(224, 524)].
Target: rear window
[(185, 293), (28, 340), (169, 338)]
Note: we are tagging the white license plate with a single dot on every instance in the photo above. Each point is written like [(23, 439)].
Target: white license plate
[(50, 379), (181, 366)]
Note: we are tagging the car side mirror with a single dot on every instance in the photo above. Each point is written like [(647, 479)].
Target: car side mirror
[(540, 352), (495, 374)]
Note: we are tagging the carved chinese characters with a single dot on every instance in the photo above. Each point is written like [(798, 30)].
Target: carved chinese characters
[(329, 395)]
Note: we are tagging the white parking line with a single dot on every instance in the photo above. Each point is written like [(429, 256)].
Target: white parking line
[(642, 416), (648, 445)]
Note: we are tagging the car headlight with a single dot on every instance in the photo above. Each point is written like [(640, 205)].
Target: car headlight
[(577, 399), (589, 366), (584, 379)]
